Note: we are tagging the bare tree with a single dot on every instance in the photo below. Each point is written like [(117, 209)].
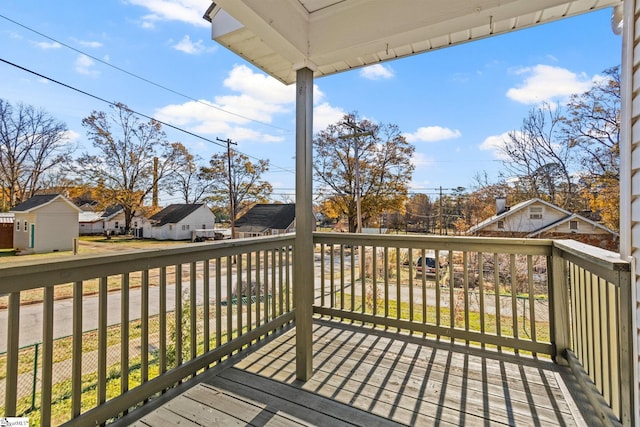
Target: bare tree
[(33, 144), (539, 158), (187, 178), (134, 157)]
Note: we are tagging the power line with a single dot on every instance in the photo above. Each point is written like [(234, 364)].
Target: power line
[(133, 111), (144, 79)]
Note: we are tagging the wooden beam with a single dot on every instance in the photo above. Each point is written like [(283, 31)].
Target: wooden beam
[(303, 282)]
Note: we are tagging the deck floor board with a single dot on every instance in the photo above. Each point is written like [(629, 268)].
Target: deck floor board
[(370, 377)]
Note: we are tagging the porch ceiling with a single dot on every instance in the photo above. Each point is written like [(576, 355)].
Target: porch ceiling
[(330, 36)]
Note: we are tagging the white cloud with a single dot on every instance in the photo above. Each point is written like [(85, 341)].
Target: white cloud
[(259, 86), (71, 136), (188, 11), (91, 44), (253, 96), (324, 115), (187, 45), (432, 134), (377, 72), (544, 83), (495, 143), (48, 45), (84, 64)]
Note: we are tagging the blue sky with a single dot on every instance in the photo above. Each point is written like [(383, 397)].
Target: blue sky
[(455, 105)]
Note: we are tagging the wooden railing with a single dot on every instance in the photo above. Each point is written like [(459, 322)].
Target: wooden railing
[(128, 340), (114, 330), (562, 299), (601, 319)]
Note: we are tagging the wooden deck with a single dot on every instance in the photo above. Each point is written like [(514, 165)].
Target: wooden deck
[(368, 377)]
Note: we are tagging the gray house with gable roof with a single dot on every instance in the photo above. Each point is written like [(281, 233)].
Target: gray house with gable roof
[(265, 219)]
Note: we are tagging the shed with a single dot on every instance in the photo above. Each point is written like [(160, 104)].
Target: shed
[(45, 223), (178, 221)]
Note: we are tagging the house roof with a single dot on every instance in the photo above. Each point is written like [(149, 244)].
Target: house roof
[(173, 214), (512, 210), (572, 217), (264, 216), (568, 216), (41, 200), (283, 36), (111, 211), (88, 216)]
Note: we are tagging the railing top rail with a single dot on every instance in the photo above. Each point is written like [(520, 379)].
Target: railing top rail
[(586, 255), (27, 274), (460, 243)]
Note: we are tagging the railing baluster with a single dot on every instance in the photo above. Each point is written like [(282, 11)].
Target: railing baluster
[(250, 292), (102, 341), (274, 299), (322, 275), (193, 314), (259, 294), (481, 294), (386, 282), (465, 284), (452, 303), (374, 279), (47, 356), (398, 286), (496, 287), (423, 280), (144, 328), (280, 283), (438, 288), (410, 260), (514, 296), (13, 335), (206, 308), (363, 278), (229, 301), (332, 284), (178, 314), (124, 334), (162, 351), (239, 293), (532, 301), (218, 285), (342, 277), (76, 352)]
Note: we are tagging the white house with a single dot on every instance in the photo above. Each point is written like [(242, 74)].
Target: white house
[(177, 222), (538, 218), (45, 223)]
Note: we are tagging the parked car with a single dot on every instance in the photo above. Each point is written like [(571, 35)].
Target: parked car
[(429, 265)]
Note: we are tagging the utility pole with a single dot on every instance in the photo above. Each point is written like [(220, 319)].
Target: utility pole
[(357, 132), (440, 213), (232, 204)]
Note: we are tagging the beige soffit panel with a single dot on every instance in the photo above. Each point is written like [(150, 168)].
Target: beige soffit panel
[(330, 36)]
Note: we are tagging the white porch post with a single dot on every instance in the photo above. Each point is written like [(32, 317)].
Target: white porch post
[(630, 197), (303, 257)]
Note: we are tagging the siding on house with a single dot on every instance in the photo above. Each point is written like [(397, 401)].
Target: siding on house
[(45, 223), (177, 222)]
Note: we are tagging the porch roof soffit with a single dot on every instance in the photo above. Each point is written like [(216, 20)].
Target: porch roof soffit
[(330, 36)]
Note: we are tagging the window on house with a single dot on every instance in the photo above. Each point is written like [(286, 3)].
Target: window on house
[(170, 227), (185, 227), (17, 225), (116, 225), (500, 225), (573, 225), (26, 224), (535, 212)]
